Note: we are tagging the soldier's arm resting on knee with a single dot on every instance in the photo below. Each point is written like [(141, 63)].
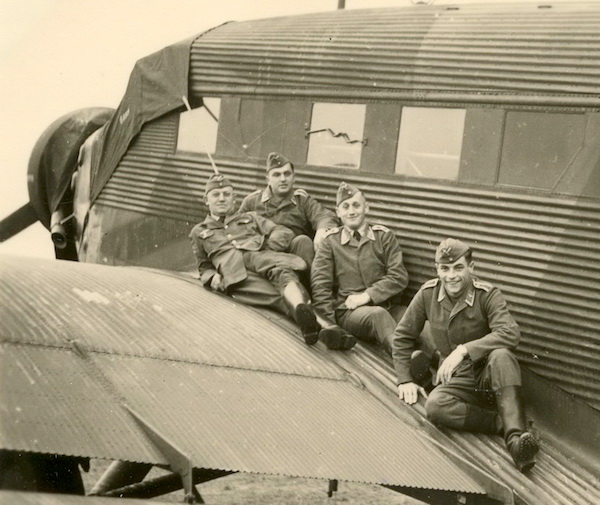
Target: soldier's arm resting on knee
[(448, 366), (357, 300)]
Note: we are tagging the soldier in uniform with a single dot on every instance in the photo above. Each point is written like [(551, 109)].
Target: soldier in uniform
[(358, 275), (294, 208), (242, 255), (478, 379)]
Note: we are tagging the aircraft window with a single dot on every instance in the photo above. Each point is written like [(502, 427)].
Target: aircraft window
[(336, 135), (538, 148), (430, 142), (198, 127)]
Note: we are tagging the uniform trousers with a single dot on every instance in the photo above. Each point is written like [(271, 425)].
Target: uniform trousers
[(371, 322), (277, 267), (303, 246), (259, 292), (472, 386), (268, 273)]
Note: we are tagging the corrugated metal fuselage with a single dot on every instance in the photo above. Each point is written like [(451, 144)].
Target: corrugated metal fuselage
[(525, 193)]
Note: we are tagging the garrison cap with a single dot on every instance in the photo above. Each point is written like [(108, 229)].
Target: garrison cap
[(344, 192), (276, 160), (216, 181), (450, 250)]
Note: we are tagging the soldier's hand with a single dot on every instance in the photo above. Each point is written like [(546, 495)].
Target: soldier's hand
[(358, 300), (319, 234), (448, 366), (409, 392), (216, 283)]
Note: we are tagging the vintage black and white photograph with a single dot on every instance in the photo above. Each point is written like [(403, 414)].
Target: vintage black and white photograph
[(304, 252)]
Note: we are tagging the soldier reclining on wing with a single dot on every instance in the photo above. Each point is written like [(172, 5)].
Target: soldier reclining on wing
[(241, 255)]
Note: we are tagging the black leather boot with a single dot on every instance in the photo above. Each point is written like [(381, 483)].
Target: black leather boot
[(335, 337), (297, 300), (481, 420), (521, 444), (422, 368)]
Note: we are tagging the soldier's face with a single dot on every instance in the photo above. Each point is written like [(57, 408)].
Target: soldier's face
[(281, 180), (353, 211), (220, 201), (456, 277)]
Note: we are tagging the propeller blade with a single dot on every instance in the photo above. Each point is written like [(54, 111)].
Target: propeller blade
[(17, 222)]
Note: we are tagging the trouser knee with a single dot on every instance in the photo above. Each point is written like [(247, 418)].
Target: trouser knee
[(445, 410), (302, 246), (381, 323)]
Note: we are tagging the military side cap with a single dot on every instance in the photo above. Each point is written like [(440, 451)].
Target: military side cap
[(216, 181), (344, 192), (276, 160), (450, 250)]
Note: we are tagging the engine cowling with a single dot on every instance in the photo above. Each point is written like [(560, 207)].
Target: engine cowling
[(52, 163)]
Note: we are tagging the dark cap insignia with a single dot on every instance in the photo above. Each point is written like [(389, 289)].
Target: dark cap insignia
[(276, 160), (450, 250), (216, 181), (344, 192)]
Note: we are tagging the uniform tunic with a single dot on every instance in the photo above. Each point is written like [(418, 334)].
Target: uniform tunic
[(480, 320), (344, 266), (299, 212), (240, 243)]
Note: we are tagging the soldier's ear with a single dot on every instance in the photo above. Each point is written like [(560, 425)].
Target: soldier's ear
[(472, 267)]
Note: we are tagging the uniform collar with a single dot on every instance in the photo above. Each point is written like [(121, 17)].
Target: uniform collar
[(216, 221), (364, 230), (468, 298), (267, 194)]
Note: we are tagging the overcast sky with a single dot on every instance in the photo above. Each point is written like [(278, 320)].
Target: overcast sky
[(61, 55)]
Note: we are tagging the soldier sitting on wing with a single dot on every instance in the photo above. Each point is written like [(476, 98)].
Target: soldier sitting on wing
[(295, 208), (474, 334), (241, 254), (358, 275)]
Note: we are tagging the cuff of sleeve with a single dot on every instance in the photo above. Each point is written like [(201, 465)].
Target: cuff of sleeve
[(403, 379), (472, 351), (373, 296)]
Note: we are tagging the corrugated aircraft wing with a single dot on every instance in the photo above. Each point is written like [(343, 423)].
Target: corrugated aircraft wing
[(83, 346)]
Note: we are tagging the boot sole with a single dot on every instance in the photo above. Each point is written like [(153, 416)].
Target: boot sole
[(307, 322), (335, 339), (528, 448)]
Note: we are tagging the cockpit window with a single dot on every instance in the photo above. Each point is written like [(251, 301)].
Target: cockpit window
[(336, 135), (198, 127), (430, 142)]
